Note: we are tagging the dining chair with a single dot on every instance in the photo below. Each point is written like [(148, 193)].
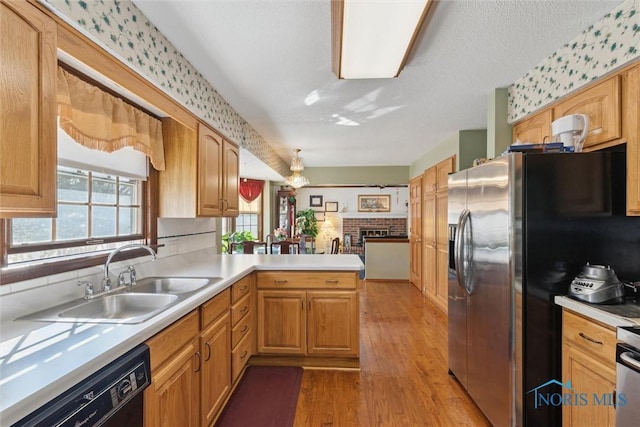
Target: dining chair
[(307, 242), (286, 247), (335, 245), (248, 246)]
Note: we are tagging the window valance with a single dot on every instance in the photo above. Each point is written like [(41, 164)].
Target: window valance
[(101, 121), (250, 189)]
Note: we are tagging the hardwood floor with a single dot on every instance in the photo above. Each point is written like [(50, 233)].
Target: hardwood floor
[(404, 377)]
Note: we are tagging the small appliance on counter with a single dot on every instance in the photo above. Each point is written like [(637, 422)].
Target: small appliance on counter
[(597, 284), (571, 130)]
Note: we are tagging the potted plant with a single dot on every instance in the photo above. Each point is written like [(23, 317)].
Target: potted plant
[(235, 237), (306, 223)]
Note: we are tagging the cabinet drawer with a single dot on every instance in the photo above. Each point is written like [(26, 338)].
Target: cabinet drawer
[(215, 307), (240, 330), (307, 280), (240, 356), (598, 340), (165, 343), (240, 309), (240, 289)]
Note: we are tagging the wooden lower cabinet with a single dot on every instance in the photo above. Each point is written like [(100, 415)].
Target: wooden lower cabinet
[(173, 398), (588, 362), (191, 367), (215, 343), (306, 321)]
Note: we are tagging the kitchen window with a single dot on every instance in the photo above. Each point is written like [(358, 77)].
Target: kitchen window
[(95, 210), (249, 218)]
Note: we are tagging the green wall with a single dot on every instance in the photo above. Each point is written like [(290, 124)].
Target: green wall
[(466, 145)]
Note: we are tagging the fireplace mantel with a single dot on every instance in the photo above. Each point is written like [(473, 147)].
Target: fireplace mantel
[(358, 215)]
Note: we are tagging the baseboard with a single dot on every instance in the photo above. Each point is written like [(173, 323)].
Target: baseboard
[(337, 363)]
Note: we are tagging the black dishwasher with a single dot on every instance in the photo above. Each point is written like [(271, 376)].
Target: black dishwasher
[(110, 397)]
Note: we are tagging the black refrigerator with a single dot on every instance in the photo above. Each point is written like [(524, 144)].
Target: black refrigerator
[(521, 227)]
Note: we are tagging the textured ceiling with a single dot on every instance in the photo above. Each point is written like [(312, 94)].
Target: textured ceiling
[(271, 61)]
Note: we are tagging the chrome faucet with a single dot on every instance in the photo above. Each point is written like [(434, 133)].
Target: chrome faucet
[(106, 281)]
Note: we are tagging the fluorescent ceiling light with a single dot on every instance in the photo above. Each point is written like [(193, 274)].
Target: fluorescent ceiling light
[(372, 38)]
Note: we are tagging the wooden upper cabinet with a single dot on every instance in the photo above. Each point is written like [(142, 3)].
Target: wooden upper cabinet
[(602, 104), (28, 135), (536, 129), (632, 133), (218, 174), (443, 169), (429, 182), (231, 178), (201, 173), (210, 200)]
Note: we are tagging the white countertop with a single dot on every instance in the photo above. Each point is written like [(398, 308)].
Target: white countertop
[(593, 312), (40, 360)]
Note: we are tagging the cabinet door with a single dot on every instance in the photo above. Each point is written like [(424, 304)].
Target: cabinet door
[(231, 160), (429, 182), (173, 398), (210, 198), (215, 379), (443, 169), (415, 231), (536, 129), (429, 244), (632, 130), (282, 322), (442, 278), (28, 135), (602, 104), (592, 378), (332, 323)]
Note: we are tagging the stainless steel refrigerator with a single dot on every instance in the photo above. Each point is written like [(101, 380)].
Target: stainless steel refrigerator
[(520, 228)]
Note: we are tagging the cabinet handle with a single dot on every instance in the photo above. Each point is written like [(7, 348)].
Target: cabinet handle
[(199, 361), (588, 338), (331, 282), (245, 329), (208, 351), (244, 288), (244, 309), (243, 355), (280, 281)]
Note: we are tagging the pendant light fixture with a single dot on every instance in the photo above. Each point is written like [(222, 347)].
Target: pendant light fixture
[(296, 180)]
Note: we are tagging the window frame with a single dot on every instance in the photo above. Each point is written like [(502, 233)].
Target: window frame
[(149, 234)]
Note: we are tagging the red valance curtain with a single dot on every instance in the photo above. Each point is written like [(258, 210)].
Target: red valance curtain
[(250, 189)]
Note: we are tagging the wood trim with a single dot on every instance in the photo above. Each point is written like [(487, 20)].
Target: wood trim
[(337, 19), (416, 32)]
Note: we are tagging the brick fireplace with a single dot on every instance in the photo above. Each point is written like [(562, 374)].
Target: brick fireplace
[(356, 227)]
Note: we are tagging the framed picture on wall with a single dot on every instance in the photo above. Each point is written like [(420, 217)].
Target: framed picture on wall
[(331, 206), (374, 203), (315, 201)]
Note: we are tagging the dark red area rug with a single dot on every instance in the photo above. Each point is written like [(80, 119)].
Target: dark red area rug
[(266, 397)]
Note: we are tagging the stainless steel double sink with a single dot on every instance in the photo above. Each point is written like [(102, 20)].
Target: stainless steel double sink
[(127, 305)]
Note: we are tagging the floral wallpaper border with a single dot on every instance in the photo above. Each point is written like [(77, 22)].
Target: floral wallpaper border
[(602, 47), (121, 28)]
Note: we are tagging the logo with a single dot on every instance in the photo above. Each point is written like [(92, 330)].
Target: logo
[(568, 396)]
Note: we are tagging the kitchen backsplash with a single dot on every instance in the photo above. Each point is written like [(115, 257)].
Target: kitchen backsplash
[(123, 30), (604, 46)]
